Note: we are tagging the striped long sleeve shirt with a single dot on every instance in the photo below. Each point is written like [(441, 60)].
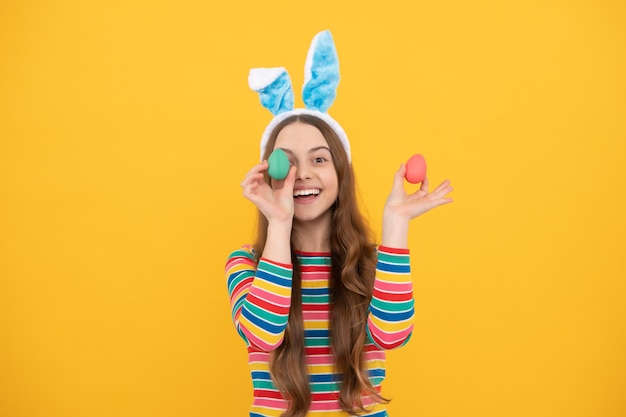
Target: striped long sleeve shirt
[(260, 297)]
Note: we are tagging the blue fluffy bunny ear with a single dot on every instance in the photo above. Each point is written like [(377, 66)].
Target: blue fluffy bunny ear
[(274, 88), (321, 73)]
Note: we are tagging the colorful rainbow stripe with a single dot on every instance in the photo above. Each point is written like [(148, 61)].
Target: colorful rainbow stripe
[(260, 296)]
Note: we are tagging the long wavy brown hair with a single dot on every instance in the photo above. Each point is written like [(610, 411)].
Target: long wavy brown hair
[(353, 268)]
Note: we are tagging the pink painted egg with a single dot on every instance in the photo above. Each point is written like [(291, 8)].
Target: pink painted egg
[(415, 169)]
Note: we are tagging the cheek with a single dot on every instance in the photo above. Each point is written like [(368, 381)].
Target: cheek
[(333, 182)]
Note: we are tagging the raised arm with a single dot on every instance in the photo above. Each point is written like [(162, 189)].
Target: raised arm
[(275, 202), (260, 293), (390, 321)]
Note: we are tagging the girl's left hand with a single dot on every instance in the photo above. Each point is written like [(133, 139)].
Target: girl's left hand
[(408, 206)]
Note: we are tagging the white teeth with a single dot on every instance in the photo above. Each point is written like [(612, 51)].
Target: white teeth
[(312, 191)]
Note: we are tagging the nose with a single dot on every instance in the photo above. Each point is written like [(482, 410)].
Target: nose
[(302, 172)]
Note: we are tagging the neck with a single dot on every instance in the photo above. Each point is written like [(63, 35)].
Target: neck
[(312, 236)]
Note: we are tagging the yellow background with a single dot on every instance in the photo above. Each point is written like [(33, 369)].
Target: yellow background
[(126, 127)]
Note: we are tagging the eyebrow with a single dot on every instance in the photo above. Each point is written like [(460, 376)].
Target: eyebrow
[(312, 150)]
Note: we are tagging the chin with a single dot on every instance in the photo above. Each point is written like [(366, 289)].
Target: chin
[(312, 217)]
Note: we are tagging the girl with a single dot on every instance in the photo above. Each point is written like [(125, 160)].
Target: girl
[(316, 302)]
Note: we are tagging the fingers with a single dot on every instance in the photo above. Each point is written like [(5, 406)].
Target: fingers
[(424, 185), (440, 193), (258, 168), (436, 198), (290, 179), (253, 180), (398, 180), (255, 174), (402, 171), (443, 189), (287, 182)]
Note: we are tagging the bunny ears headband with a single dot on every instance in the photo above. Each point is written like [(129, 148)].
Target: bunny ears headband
[(321, 78)]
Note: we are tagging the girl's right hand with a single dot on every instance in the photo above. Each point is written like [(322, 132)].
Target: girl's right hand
[(274, 200)]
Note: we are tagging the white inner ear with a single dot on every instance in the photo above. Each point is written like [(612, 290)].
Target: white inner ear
[(259, 78), (309, 60)]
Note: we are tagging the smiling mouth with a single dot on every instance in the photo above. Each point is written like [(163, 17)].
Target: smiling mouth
[(310, 192)]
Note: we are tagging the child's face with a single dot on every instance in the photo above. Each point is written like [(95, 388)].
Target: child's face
[(316, 186)]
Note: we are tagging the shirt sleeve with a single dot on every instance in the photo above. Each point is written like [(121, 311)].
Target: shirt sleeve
[(260, 298), (391, 314)]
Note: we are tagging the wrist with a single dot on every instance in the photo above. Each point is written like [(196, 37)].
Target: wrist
[(395, 231), (395, 220), (278, 242), (280, 228)]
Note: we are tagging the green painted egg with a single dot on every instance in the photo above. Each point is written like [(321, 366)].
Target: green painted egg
[(278, 164)]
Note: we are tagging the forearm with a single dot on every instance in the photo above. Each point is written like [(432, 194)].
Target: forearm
[(278, 243)]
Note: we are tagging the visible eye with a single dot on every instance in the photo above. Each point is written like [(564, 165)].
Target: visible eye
[(319, 160)]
